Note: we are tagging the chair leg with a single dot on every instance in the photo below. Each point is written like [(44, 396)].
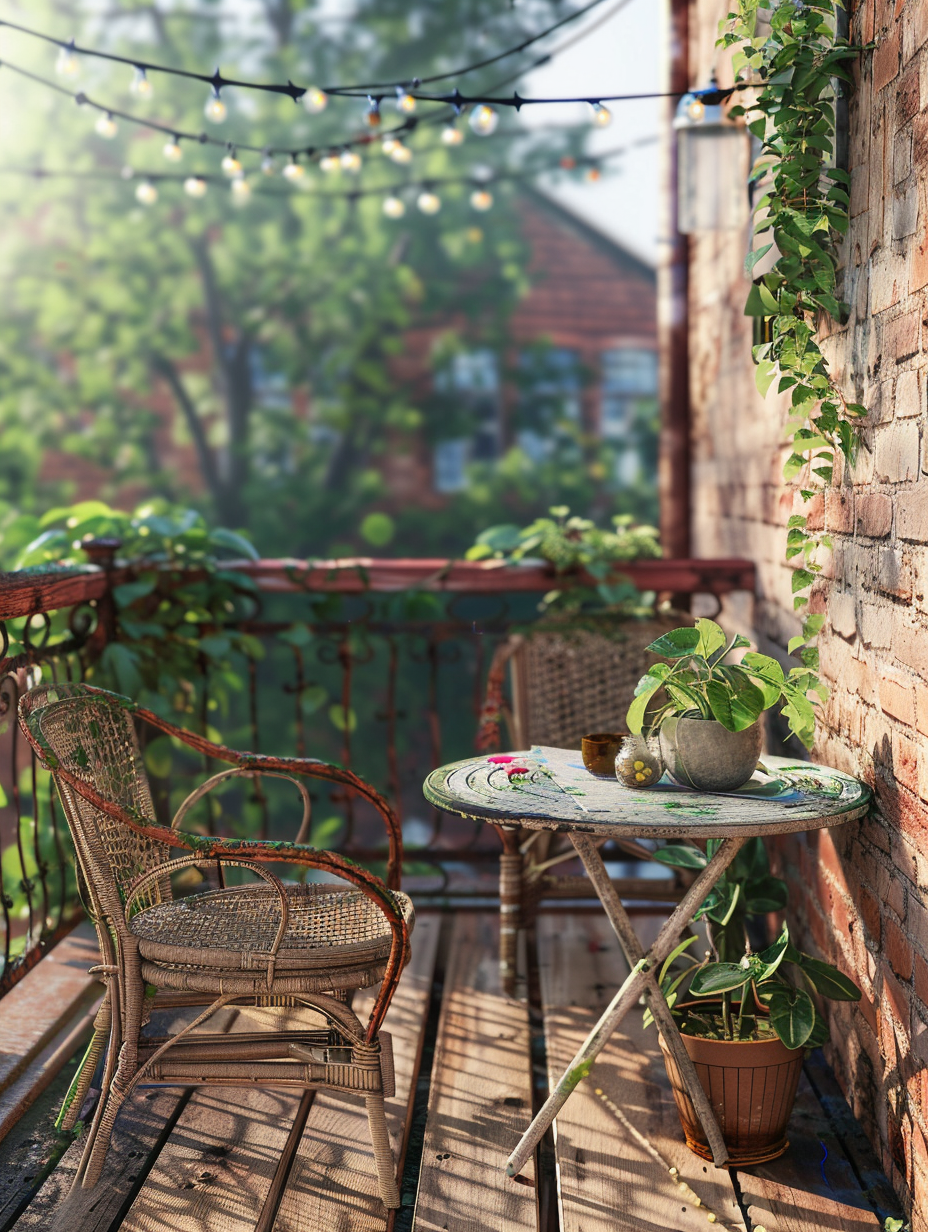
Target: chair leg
[(80, 1086), (115, 1092), (383, 1154)]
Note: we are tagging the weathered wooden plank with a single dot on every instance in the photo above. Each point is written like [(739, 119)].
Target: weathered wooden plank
[(142, 1127), (213, 1173), (45, 1002), (481, 1095), (813, 1187), (332, 1185), (621, 1161)]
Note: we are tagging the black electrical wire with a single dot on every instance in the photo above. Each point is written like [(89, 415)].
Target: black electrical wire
[(219, 82)]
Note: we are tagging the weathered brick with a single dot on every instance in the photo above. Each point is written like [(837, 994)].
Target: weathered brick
[(895, 1000), (874, 514), (908, 98), (897, 698), (912, 515), (909, 400), (841, 616), (886, 60), (875, 630), (905, 210), (897, 452), (905, 754), (902, 336), (898, 949), (910, 642), (869, 907), (839, 510), (921, 979), (886, 280)]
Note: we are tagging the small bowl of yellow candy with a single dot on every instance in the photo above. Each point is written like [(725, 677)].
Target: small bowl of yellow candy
[(637, 764)]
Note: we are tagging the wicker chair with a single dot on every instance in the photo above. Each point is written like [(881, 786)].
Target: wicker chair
[(565, 682), (266, 945)]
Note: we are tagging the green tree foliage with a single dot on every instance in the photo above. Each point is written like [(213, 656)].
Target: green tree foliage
[(111, 307)]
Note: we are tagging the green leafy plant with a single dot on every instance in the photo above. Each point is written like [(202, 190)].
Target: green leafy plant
[(751, 994), (573, 544), (699, 682), (803, 211), (175, 613)]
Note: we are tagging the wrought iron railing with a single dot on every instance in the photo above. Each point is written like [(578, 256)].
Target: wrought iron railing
[(379, 665)]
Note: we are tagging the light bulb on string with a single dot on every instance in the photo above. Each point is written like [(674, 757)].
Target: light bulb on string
[(172, 150), (602, 116), (405, 101), (215, 109), (451, 135), (350, 160), (428, 202), (315, 100), (195, 186), (241, 191), (593, 174), (231, 166), (388, 145), (696, 110), (146, 193), (140, 85), (481, 199), (268, 166), (402, 154), (67, 63), (294, 171), (372, 115), (394, 207), (106, 126), (329, 163), (483, 120)]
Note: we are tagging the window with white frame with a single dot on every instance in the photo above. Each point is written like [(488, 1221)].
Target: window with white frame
[(549, 399)]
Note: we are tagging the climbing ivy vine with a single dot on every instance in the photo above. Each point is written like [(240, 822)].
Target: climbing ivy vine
[(802, 212)]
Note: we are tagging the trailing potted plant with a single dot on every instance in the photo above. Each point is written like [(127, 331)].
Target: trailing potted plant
[(745, 1023), (708, 721)]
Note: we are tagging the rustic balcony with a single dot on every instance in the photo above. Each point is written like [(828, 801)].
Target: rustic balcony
[(399, 644)]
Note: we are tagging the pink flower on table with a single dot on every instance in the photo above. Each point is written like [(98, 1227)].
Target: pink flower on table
[(501, 759), (512, 771)]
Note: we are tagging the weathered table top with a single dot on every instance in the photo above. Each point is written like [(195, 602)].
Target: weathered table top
[(482, 789)]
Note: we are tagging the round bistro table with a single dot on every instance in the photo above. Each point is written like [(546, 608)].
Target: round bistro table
[(556, 794)]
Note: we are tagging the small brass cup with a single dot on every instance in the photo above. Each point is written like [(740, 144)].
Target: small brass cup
[(600, 750)]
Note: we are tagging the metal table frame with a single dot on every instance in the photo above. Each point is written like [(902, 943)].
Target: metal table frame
[(642, 977)]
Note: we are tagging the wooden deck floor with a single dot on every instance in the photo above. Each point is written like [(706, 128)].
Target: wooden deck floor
[(471, 1064)]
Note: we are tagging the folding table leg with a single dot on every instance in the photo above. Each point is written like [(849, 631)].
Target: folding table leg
[(631, 947), (635, 984)]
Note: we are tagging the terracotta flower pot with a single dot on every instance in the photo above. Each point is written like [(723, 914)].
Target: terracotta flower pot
[(701, 753), (751, 1085)]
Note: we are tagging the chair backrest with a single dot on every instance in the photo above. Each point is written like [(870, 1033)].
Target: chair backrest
[(566, 685), (91, 734)]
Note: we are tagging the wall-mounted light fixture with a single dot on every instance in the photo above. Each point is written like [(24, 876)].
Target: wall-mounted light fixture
[(712, 153)]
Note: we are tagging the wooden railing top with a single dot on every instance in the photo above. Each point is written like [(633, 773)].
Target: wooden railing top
[(22, 594)]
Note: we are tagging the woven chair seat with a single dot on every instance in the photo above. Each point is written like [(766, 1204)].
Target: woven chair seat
[(336, 938)]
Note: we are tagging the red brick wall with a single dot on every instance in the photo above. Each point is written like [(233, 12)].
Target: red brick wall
[(858, 893)]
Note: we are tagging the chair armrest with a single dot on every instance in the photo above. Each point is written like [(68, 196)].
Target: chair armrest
[(308, 766), (228, 850), (302, 835)]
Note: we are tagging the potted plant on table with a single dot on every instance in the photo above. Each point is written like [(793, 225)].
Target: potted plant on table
[(708, 715), (746, 1018)]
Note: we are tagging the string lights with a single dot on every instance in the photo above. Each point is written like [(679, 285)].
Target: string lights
[(140, 86), (428, 201), (106, 126), (315, 98), (215, 109), (484, 120)]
